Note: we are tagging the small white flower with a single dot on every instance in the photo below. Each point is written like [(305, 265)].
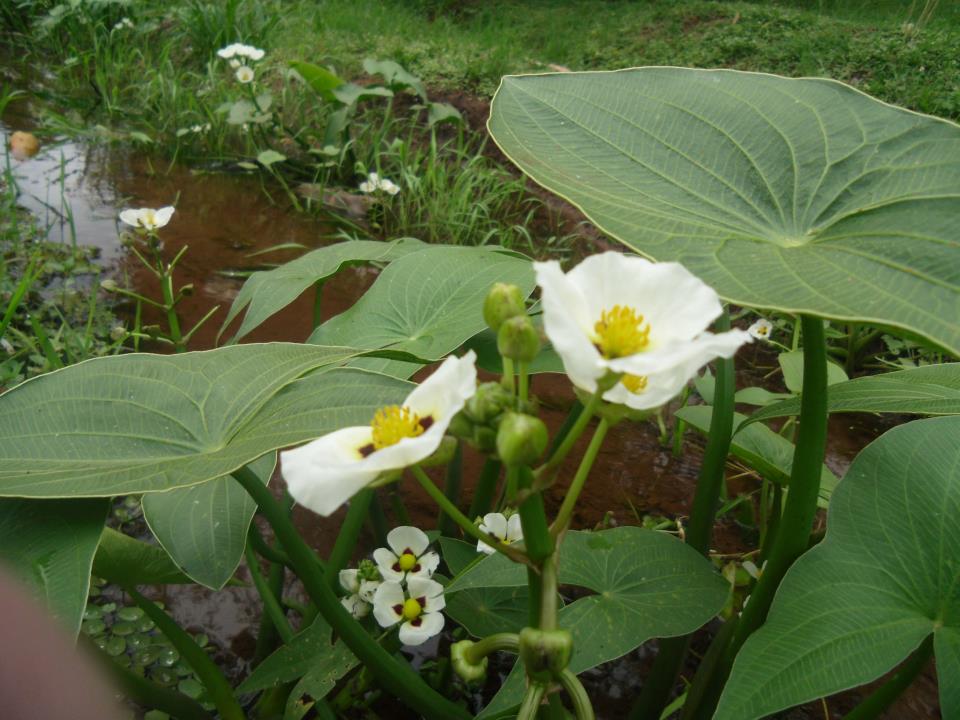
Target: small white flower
[(407, 557), (620, 314), (761, 329), (360, 599), (147, 218), (240, 50), (244, 74), (496, 524), (124, 23), (234, 63), (418, 610), (389, 187), (375, 183), (325, 473), (229, 51)]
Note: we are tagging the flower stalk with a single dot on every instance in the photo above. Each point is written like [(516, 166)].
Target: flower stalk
[(562, 521)]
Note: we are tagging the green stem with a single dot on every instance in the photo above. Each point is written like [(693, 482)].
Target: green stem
[(508, 374), (221, 694), (169, 306), (378, 520), (523, 388), (531, 701), (561, 452), (486, 487), (562, 520), (271, 605), (548, 593), (582, 707), (458, 517), (395, 676), (268, 637), (268, 553), (539, 542), (672, 651), (499, 642), (451, 488), (347, 537), (884, 696)]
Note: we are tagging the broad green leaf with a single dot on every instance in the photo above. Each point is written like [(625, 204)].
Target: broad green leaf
[(49, 545), (438, 113), (121, 558), (761, 448), (758, 396), (799, 195), (791, 363), (270, 157), (204, 527), (395, 76), (885, 577), (647, 584), (485, 611), (459, 555), (351, 93), (427, 303), (148, 423), (930, 390), (269, 291), (310, 653), (319, 78)]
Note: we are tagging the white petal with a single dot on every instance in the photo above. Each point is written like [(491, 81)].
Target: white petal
[(325, 473), (484, 548), (408, 538), (385, 561), (366, 187), (356, 606), (430, 624), (368, 589), (514, 529), (234, 63), (443, 394), (428, 562), (227, 52), (691, 354), (131, 217), (388, 596), (374, 179), (430, 590), (255, 53), (495, 524), (163, 215), (568, 322), (348, 581)]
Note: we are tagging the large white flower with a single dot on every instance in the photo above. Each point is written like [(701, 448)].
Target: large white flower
[(327, 472), (496, 524), (147, 218), (407, 557), (418, 609), (615, 313)]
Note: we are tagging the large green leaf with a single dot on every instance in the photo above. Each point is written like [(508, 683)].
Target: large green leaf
[(204, 527), (427, 303), (646, 584), (319, 78), (49, 545), (930, 390), (885, 577), (761, 448), (269, 291), (802, 195), (121, 558), (148, 423), (485, 611)]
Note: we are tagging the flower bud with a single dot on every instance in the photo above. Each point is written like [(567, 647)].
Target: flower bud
[(518, 339), (521, 439), (484, 438), (109, 285), (502, 303), (470, 673), (488, 402), (367, 570), (545, 653), (443, 454), (460, 426)]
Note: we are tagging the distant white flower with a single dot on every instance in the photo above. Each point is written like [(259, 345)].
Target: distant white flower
[(147, 218), (418, 610), (240, 50), (244, 74), (360, 599), (496, 524), (7, 346), (617, 314), (761, 329), (327, 472), (375, 183), (407, 557), (124, 23)]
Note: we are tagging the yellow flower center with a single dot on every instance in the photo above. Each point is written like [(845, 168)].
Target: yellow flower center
[(411, 609), (149, 219), (620, 332), (407, 561), (392, 424), (634, 383)]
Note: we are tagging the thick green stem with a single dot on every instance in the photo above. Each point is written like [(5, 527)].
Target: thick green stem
[(796, 521), (268, 637), (486, 487), (508, 374), (451, 488), (347, 537), (548, 593), (278, 557), (562, 520), (582, 708), (884, 696), (221, 694), (523, 386), (169, 305), (539, 542), (499, 642), (271, 606), (672, 651), (395, 676), (531, 701)]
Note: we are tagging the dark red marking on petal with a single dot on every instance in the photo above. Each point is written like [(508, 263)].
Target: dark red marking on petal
[(416, 622), (415, 568), (398, 609), (396, 567), (426, 422), (422, 601), (367, 450)]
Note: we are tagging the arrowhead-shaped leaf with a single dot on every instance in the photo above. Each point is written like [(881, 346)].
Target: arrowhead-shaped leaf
[(802, 195), (885, 577), (121, 558)]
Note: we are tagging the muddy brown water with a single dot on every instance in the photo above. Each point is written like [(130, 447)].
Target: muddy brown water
[(223, 219)]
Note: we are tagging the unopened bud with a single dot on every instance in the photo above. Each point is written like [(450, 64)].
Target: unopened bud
[(109, 285), (462, 666), (488, 402), (521, 439), (484, 438), (502, 303), (443, 454), (545, 653), (518, 339)]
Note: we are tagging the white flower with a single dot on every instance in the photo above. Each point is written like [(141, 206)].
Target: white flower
[(360, 599), (234, 63), (389, 187), (240, 50), (375, 183), (496, 524), (418, 609), (244, 74), (761, 329), (619, 314), (407, 557), (324, 474), (147, 218), (124, 23)]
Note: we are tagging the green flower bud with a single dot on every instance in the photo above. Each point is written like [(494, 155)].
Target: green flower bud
[(521, 439), (443, 454), (490, 400), (469, 673), (545, 653), (109, 285), (367, 570), (518, 339), (484, 438), (502, 303), (460, 426)]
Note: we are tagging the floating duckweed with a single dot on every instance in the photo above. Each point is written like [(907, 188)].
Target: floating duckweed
[(145, 625), (123, 628), (138, 641), (130, 614), (94, 627), (168, 657), (163, 676), (115, 646), (190, 687)]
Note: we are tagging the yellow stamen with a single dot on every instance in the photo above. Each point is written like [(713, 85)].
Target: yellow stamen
[(411, 609), (620, 332), (407, 561), (392, 424), (634, 383)]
